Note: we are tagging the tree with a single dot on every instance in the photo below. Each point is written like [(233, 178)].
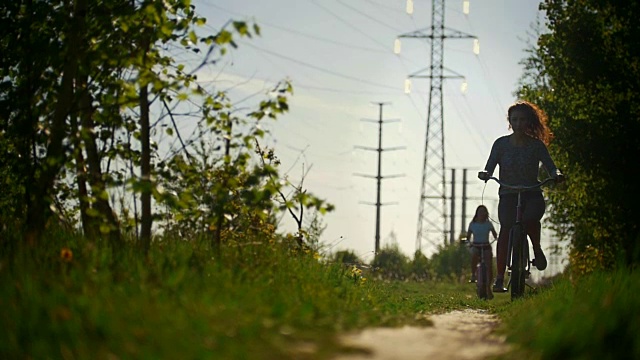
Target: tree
[(82, 120), (37, 97), (591, 68)]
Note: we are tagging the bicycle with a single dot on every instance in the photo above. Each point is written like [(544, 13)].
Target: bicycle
[(483, 281), (518, 246)]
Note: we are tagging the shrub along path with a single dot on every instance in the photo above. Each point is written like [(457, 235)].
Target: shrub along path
[(460, 334)]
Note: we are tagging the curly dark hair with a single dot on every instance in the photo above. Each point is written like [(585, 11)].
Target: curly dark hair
[(537, 127)]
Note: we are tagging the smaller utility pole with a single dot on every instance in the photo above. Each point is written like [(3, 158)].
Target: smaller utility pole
[(463, 206), (379, 177), (452, 233), (463, 212)]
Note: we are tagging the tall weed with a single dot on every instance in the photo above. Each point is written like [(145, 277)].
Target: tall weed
[(74, 298)]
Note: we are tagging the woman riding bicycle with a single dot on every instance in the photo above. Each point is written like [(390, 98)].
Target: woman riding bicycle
[(519, 156)]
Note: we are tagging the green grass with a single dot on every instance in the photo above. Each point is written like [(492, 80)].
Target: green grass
[(261, 301), (594, 317), (257, 301), (411, 298)]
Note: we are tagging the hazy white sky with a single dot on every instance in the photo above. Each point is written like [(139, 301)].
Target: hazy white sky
[(339, 56)]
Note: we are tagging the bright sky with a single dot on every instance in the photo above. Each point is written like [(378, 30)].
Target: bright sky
[(339, 56)]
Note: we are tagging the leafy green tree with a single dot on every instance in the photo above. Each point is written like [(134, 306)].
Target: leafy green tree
[(588, 68), (37, 91)]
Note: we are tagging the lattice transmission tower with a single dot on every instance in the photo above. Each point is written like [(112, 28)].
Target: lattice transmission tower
[(432, 214)]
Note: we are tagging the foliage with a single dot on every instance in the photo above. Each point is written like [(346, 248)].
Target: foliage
[(391, 263), (451, 262), (591, 259), (345, 257), (314, 227), (595, 317), (588, 80), (11, 206), (419, 266), (86, 125)]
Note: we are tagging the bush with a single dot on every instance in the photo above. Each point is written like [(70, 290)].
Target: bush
[(419, 267), (390, 263), (590, 259), (450, 262)]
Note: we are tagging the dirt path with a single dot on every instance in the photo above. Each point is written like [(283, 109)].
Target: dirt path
[(456, 335)]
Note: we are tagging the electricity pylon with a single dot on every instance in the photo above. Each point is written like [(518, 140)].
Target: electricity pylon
[(432, 214)]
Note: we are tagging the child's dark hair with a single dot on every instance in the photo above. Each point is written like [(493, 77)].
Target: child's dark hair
[(475, 216)]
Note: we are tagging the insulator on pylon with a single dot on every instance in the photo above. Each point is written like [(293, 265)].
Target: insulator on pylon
[(396, 46), (464, 87), (465, 7), (476, 46), (409, 7), (407, 86)]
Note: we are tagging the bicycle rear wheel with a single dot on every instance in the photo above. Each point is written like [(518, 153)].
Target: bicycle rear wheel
[(519, 260), (481, 285)]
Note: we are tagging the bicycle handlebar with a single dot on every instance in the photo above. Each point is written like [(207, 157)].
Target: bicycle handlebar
[(521, 187)]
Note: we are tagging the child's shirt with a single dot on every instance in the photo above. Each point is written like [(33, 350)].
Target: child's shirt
[(480, 231)]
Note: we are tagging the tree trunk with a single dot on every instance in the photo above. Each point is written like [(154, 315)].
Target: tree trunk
[(98, 187), (88, 226), (39, 200), (145, 168)]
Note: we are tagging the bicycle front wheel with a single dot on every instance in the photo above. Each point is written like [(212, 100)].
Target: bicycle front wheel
[(519, 260)]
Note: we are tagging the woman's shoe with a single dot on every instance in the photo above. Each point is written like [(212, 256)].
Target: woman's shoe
[(540, 261)]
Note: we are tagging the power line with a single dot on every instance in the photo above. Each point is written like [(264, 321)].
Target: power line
[(487, 76), (303, 34), (321, 69), (384, 6), (349, 24), (368, 16)]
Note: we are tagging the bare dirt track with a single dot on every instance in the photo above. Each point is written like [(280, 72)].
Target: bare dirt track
[(467, 334)]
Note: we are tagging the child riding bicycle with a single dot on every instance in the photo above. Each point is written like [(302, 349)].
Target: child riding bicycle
[(478, 234)]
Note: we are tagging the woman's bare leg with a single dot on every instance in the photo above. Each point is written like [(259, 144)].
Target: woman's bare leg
[(533, 229), (501, 250)]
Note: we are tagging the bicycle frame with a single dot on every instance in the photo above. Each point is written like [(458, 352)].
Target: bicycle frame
[(519, 262)]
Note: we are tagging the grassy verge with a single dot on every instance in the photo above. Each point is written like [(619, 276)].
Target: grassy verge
[(70, 298), (595, 317)]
